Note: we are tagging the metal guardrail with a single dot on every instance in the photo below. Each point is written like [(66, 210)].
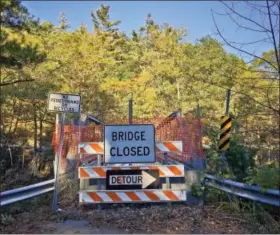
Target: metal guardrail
[(255, 193), (19, 194)]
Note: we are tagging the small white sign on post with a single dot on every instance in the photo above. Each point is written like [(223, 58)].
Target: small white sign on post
[(65, 103), (129, 143)]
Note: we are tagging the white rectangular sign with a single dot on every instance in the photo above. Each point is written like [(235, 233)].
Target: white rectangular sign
[(129, 143), (65, 103)]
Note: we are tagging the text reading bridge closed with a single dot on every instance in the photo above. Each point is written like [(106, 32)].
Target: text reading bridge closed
[(129, 143)]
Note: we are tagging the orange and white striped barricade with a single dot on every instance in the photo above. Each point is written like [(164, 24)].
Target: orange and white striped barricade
[(95, 148), (95, 194), (169, 146), (98, 147), (99, 172), (89, 193), (92, 150), (131, 196)]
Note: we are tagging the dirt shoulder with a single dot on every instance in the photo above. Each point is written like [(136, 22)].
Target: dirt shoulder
[(175, 218)]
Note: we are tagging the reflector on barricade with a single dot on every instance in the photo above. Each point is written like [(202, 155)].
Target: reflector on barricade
[(131, 196), (100, 172), (91, 148), (169, 146)]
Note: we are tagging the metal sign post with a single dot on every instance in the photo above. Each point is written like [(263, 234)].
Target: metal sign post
[(61, 104), (58, 157), (130, 110)]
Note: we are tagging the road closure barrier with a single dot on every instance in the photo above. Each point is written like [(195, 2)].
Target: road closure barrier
[(130, 182), (130, 196)]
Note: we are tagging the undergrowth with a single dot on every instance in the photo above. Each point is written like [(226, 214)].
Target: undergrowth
[(261, 218)]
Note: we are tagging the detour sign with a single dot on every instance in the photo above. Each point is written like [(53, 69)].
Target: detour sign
[(129, 143)]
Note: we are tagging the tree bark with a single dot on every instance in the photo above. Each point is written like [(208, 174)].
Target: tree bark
[(41, 135), (35, 127)]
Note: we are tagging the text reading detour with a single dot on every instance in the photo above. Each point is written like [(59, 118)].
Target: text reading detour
[(129, 143)]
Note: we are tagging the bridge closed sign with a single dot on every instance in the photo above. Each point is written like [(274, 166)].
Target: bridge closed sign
[(129, 143)]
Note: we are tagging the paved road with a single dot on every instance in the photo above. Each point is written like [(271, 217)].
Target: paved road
[(77, 226)]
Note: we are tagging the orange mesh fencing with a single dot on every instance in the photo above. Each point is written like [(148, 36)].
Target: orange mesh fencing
[(187, 130)]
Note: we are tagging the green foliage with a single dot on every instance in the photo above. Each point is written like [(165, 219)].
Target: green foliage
[(268, 177), (240, 159), (197, 190)]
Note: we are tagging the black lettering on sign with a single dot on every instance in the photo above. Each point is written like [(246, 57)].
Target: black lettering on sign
[(142, 135), (133, 151), (130, 151), (114, 180), (111, 151), (134, 179), (114, 136), (130, 135), (121, 136), (118, 152), (126, 151), (146, 151), (139, 151), (119, 180), (137, 135), (140, 179)]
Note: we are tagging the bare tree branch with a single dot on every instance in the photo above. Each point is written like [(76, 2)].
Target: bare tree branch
[(250, 43), (258, 8), (16, 81), (241, 93), (244, 27), (267, 94), (239, 49), (273, 36), (245, 18)]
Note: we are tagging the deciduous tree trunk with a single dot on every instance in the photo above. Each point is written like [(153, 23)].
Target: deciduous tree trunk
[(35, 127)]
